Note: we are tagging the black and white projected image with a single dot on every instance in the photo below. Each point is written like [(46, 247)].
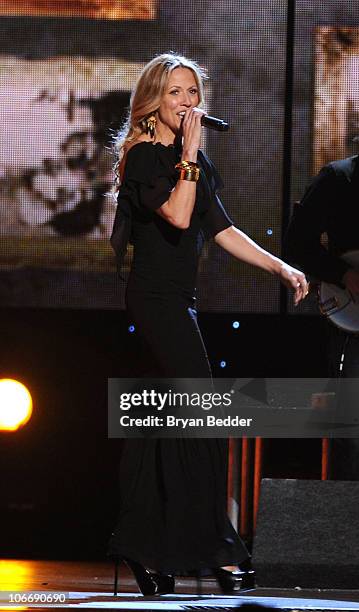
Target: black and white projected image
[(55, 160)]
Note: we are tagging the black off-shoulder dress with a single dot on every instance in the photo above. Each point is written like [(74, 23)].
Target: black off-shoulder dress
[(173, 492)]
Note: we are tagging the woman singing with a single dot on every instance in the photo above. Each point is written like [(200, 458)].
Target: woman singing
[(173, 504)]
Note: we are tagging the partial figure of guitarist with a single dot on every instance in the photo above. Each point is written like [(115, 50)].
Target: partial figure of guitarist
[(330, 206)]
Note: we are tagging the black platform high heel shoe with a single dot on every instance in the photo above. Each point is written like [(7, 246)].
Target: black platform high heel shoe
[(149, 583), (231, 582)]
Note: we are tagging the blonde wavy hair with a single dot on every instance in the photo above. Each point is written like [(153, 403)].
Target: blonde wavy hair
[(146, 99)]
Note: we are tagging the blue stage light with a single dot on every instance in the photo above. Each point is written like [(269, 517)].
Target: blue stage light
[(223, 364), (235, 324), (131, 328), (269, 231)]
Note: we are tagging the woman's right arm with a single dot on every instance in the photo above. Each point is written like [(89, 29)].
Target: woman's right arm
[(179, 207)]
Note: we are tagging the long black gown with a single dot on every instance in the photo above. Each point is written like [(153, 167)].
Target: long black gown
[(173, 492)]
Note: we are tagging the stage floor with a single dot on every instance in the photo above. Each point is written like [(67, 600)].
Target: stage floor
[(88, 586)]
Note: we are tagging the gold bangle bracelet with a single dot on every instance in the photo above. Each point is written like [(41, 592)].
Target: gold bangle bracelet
[(186, 164), (189, 174), (188, 171)]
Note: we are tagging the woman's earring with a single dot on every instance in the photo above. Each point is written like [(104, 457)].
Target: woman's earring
[(151, 125)]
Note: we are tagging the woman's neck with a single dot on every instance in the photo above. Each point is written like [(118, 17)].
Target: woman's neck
[(164, 135), (165, 139)]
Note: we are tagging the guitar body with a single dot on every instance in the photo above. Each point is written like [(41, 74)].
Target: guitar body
[(337, 304)]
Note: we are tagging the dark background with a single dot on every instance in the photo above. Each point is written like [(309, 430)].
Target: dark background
[(59, 489)]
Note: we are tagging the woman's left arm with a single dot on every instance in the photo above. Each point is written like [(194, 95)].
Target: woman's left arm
[(239, 245)]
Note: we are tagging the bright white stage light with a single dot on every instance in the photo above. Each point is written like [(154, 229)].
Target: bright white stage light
[(15, 404)]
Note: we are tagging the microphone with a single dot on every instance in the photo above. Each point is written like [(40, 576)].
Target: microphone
[(214, 123)]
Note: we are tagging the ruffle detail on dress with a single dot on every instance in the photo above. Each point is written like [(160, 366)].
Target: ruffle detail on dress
[(146, 162)]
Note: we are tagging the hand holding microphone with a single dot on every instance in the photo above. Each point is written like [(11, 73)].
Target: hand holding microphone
[(193, 119)]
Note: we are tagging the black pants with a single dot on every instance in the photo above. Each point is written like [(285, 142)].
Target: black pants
[(173, 491)]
